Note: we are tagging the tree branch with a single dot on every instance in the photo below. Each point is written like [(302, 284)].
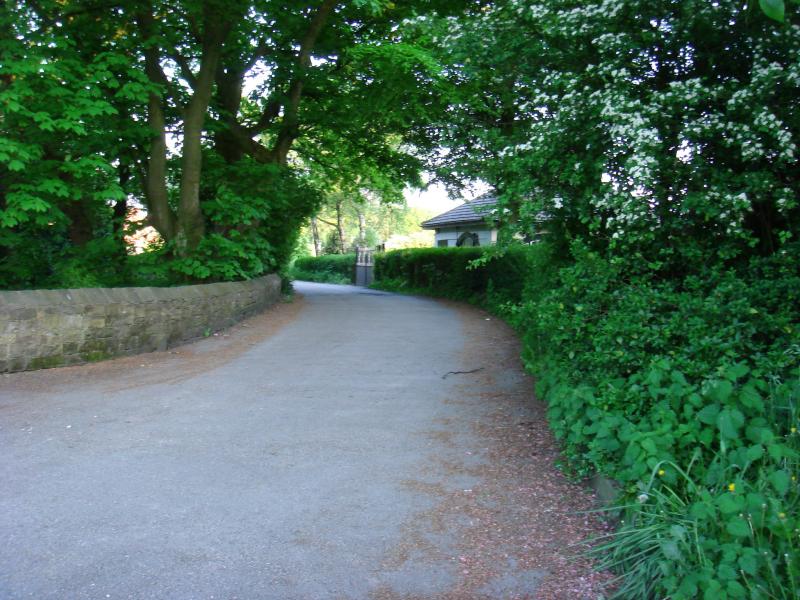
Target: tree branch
[(269, 114), (186, 69), (326, 222), (194, 28), (289, 131), (258, 53)]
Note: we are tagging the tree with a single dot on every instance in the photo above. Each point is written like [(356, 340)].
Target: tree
[(660, 132), (199, 97), (360, 219), (63, 124)]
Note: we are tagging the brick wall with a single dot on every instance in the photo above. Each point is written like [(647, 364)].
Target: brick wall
[(50, 328)]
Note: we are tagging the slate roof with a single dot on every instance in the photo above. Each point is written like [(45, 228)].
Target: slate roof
[(473, 211)]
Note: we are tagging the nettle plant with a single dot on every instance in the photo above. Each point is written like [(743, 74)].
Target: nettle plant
[(687, 394)]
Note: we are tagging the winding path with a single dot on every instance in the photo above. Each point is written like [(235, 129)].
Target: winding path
[(350, 445)]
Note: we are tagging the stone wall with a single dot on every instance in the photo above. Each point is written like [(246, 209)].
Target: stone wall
[(50, 328)]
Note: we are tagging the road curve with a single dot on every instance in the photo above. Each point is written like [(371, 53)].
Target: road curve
[(351, 445)]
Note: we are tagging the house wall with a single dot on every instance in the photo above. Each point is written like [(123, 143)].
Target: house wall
[(50, 328), (486, 236)]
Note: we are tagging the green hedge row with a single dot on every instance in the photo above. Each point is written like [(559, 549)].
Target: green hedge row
[(685, 391), (453, 272), (329, 268)]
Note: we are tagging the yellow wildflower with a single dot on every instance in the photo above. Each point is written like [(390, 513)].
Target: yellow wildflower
[(661, 472), (731, 487)]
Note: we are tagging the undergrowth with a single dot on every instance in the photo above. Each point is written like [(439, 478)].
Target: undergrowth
[(684, 390)]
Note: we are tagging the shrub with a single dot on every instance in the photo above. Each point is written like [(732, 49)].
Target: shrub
[(683, 390), (478, 275), (329, 268)]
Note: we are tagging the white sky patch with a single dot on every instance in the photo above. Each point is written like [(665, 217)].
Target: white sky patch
[(436, 198)]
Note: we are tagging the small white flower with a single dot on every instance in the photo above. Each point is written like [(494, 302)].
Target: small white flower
[(642, 498)]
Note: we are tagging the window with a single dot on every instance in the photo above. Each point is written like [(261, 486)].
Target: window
[(442, 243), (468, 239)]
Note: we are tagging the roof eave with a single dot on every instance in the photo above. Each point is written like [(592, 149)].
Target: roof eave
[(427, 225)]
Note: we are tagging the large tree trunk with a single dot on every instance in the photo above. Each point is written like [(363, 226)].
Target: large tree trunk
[(155, 184), (362, 228), (188, 226), (191, 224), (121, 206), (81, 231), (155, 176), (229, 99), (340, 225), (315, 236)]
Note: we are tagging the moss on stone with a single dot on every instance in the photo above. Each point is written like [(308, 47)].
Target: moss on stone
[(96, 355), (46, 362)]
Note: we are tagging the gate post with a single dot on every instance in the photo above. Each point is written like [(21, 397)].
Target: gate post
[(364, 266)]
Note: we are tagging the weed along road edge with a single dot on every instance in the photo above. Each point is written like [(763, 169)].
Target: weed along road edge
[(352, 444)]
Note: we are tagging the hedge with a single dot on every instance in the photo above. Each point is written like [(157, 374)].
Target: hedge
[(329, 268), (686, 391), (452, 273)]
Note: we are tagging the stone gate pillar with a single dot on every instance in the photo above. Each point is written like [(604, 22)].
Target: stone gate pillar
[(364, 266)]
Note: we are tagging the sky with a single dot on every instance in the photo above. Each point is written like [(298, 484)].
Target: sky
[(437, 200)]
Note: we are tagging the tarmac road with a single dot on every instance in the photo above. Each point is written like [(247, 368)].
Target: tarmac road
[(351, 445)]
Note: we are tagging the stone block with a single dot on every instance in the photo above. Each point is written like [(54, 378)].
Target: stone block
[(73, 359), (16, 363), (21, 313), (93, 345), (9, 327)]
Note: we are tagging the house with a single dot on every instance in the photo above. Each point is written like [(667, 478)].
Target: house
[(465, 225)]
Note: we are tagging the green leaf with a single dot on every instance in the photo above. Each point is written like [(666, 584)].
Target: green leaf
[(750, 398), (775, 451), (774, 9), (748, 563), (712, 591), (649, 446), (737, 371), (702, 510), (729, 503), (735, 590), (720, 390), (678, 532), (708, 414), (16, 165), (729, 421), (738, 527), (671, 550), (755, 452), (726, 572), (780, 481), (688, 588)]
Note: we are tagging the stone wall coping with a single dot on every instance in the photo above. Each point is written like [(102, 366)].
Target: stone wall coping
[(51, 328), (43, 297)]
